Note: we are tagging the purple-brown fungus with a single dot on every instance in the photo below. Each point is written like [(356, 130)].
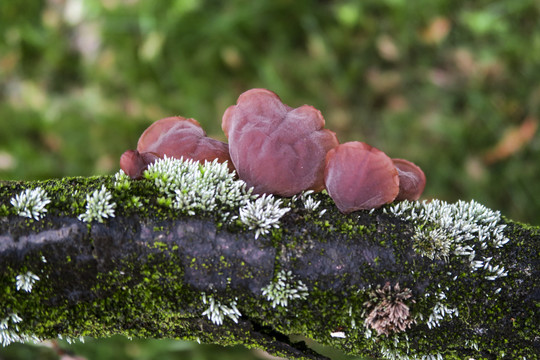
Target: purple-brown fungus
[(277, 149), (176, 137), (134, 163), (359, 176), (412, 180)]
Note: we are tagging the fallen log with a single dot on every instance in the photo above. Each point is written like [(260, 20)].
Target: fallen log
[(105, 255)]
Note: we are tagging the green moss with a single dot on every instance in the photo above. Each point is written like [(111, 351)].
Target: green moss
[(146, 302)]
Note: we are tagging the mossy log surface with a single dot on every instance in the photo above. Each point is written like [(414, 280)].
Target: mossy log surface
[(146, 271)]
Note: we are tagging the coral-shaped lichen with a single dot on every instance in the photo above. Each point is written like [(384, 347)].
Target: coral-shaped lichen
[(9, 331), (98, 206), (284, 289), (121, 180), (434, 244), (26, 281), (263, 214), (463, 229), (440, 311), (387, 309), (31, 203), (310, 204), (193, 186), (217, 311)]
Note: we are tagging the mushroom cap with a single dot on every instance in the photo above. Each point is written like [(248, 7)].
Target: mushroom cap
[(359, 176), (134, 163), (412, 180), (179, 137), (275, 148)]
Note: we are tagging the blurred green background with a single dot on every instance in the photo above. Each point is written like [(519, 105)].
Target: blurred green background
[(453, 86)]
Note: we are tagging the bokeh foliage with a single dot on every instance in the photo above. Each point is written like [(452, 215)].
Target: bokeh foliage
[(451, 85)]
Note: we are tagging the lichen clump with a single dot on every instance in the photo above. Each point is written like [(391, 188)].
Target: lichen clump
[(192, 186), (461, 229), (99, 206), (262, 214), (31, 203), (26, 281), (217, 311), (285, 289), (388, 310)]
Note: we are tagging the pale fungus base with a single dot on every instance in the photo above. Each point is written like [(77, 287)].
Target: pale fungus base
[(287, 303)]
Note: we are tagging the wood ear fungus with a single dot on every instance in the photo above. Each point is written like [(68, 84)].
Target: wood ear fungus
[(280, 150), (359, 176), (277, 149), (176, 137), (412, 180), (134, 163)]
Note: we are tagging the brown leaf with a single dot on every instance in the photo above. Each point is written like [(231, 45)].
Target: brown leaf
[(512, 141)]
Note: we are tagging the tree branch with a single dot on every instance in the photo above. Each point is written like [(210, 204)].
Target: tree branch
[(403, 281)]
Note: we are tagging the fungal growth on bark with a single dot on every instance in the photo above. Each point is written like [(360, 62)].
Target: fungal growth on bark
[(387, 309), (133, 163), (412, 180), (359, 176), (277, 149), (176, 137)]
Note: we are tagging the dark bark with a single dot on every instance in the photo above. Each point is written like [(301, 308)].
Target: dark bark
[(143, 274)]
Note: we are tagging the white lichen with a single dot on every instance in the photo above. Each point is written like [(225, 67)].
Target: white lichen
[(441, 310), (310, 204), (434, 244), (9, 329), (217, 311), (284, 289), (263, 214), (398, 354), (70, 340), (26, 281), (121, 180), (463, 229), (31, 203), (98, 206), (10, 333), (191, 186)]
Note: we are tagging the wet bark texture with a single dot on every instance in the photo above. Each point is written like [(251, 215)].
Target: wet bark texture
[(144, 275)]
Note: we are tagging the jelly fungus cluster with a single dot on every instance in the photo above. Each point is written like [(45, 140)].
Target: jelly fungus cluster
[(283, 151)]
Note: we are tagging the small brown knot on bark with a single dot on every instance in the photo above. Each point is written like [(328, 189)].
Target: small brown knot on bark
[(387, 310)]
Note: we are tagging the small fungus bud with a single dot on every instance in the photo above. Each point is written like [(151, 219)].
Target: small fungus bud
[(134, 163), (412, 180), (359, 176)]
